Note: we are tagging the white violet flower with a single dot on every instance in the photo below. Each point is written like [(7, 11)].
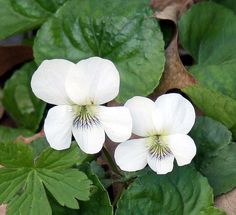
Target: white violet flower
[(164, 126), (78, 90)]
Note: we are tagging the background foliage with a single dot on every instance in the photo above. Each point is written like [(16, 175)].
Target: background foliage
[(35, 179)]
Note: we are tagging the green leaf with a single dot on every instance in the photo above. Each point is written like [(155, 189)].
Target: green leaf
[(33, 200), (21, 15), (23, 181), (102, 175), (213, 48), (66, 186), (227, 3), (216, 154), (56, 160), (181, 192), (16, 155), (19, 100), (220, 170), (1, 106), (11, 182), (214, 105), (39, 145), (212, 211), (99, 202), (60, 210), (123, 31), (8, 134), (210, 137)]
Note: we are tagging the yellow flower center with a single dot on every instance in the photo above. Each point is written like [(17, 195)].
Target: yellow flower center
[(157, 147), (85, 116)]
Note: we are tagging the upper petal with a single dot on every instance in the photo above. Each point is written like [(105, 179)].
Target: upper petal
[(58, 126), (161, 166), (48, 81), (141, 109), (116, 121), (90, 139), (131, 155), (182, 146), (174, 114), (95, 81)]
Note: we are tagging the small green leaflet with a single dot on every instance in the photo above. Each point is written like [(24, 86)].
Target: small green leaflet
[(181, 192), (99, 203), (23, 179)]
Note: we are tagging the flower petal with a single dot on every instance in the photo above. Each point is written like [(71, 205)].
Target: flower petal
[(161, 166), (182, 146), (95, 81), (174, 114), (116, 121), (89, 139), (48, 81), (141, 110), (58, 126), (131, 155)]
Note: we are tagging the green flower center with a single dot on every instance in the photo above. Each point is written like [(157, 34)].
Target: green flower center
[(157, 147), (85, 116)]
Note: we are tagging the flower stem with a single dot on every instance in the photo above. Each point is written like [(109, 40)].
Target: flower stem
[(118, 195), (28, 140), (111, 161)]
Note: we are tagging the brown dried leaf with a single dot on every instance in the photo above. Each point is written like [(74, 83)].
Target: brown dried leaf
[(11, 56), (175, 75), (171, 9), (227, 202)]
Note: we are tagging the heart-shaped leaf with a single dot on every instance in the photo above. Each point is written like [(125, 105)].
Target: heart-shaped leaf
[(125, 32), (181, 192), (209, 38)]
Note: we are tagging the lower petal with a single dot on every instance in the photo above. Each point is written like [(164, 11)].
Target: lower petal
[(182, 146), (116, 121), (161, 166), (58, 126), (131, 155), (90, 139)]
